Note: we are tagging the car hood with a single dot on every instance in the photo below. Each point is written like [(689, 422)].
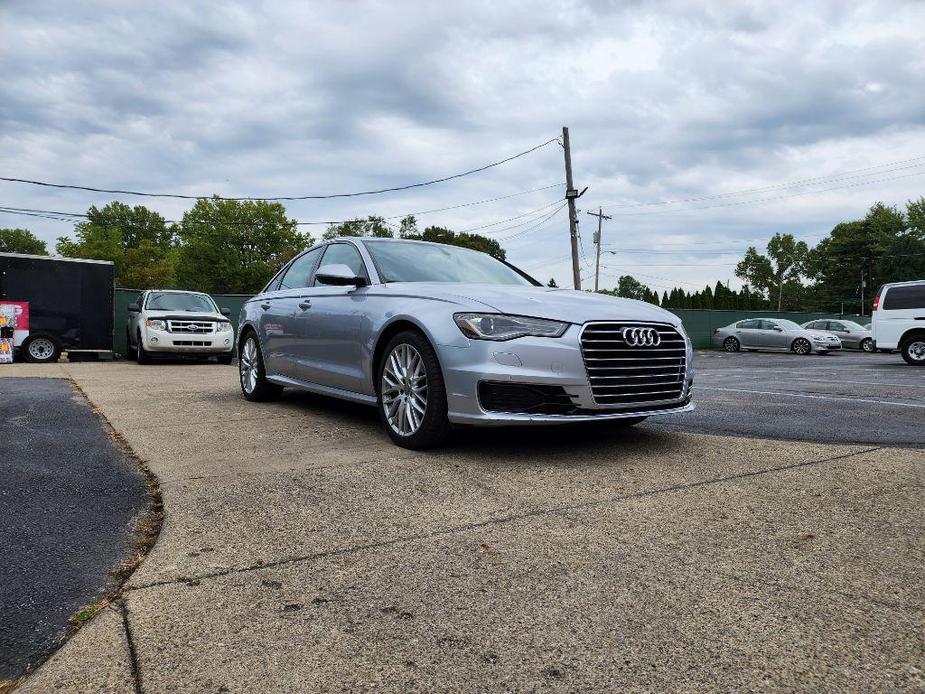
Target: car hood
[(540, 302), (185, 315), (815, 333)]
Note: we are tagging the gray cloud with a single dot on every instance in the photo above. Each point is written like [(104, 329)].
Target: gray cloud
[(664, 100)]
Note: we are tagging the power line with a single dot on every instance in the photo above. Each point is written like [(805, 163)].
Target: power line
[(535, 227), (901, 164), (330, 196)]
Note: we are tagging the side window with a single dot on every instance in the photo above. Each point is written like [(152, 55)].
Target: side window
[(816, 325), (748, 325), (300, 272), (345, 254), (904, 298), (836, 326), (768, 325)]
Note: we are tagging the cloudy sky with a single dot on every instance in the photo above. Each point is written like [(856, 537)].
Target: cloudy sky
[(700, 127)]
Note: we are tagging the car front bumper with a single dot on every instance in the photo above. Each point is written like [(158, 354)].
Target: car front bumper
[(164, 342), (537, 361)]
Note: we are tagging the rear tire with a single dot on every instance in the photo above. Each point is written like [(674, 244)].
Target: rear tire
[(867, 345), (913, 350), (801, 346), (731, 344), (41, 349), (253, 375), (409, 370)]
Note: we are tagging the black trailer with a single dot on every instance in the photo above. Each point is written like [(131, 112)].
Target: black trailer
[(70, 303)]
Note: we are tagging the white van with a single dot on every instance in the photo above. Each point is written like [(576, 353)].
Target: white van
[(899, 320)]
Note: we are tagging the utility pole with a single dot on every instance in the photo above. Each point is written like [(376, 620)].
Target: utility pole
[(597, 240), (571, 194), (862, 292)]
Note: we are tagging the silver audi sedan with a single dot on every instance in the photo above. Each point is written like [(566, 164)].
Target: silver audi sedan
[(435, 335), (775, 335)]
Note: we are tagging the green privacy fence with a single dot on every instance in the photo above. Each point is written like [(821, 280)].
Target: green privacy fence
[(698, 323), (233, 302)]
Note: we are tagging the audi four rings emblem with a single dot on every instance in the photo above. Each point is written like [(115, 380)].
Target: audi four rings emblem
[(641, 337)]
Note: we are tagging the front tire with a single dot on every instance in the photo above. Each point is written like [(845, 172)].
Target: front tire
[(253, 375), (801, 346), (913, 351), (41, 349), (731, 344), (412, 394), (142, 356), (867, 345)]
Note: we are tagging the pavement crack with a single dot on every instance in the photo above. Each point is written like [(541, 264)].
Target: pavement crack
[(499, 521), (132, 652)]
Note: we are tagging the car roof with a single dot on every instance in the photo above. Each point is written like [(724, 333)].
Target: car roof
[(176, 291), (903, 284)]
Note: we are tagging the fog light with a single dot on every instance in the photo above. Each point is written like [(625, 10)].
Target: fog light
[(154, 340), (227, 341)]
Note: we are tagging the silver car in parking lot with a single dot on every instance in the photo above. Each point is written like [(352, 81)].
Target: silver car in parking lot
[(435, 335), (773, 334), (852, 335)]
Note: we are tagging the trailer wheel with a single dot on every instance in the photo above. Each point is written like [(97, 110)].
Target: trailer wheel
[(41, 349)]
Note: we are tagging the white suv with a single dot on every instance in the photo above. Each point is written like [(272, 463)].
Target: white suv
[(177, 322), (899, 320)]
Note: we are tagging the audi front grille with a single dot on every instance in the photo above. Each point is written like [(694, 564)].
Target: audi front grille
[(649, 369)]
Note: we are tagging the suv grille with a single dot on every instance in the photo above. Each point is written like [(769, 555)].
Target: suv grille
[(621, 374), (192, 327)]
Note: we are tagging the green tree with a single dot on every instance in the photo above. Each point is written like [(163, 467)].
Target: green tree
[(21, 241), (371, 226), (137, 240), (234, 246), (781, 267), (476, 242)]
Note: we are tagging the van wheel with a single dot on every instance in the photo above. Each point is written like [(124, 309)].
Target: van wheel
[(913, 351), (41, 349)]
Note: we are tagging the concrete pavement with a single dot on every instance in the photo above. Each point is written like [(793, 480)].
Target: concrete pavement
[(302, 551)]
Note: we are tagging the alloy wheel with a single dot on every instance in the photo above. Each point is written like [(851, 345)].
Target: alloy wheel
[(404, 389), (867, 345), (248, 365), (41, 349), (801, 346), (917, 351)]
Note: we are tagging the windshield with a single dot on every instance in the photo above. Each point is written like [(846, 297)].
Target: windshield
[(851, 325), (788, 324), (437, 262), (174, 301)]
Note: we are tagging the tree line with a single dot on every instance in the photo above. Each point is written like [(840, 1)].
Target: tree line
[(219, 246)]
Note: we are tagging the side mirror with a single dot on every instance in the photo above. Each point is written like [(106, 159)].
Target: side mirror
[(779, 329), (134, 308), (226, 311), (339, 275)]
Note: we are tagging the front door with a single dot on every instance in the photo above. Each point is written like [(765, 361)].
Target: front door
[(335, 351), (772, 335)]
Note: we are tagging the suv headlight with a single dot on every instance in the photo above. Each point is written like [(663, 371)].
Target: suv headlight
[(497, 326), (222, 326), (155, 324)]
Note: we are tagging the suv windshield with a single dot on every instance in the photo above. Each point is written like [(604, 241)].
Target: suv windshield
[(412, 261), (176, 301)]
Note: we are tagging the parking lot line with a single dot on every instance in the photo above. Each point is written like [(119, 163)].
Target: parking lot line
[(812, 397), (840, 380)]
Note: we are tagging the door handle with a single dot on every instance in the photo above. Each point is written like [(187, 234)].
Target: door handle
[(305, 305), (265, 305)]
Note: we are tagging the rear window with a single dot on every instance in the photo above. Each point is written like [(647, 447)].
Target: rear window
[(899, 298)]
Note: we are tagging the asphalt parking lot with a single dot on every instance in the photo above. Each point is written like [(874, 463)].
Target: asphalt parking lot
[(302, 551), (843, 397)]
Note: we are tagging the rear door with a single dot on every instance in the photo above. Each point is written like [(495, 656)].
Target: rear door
[(902, 307), (747, 331), (280, 330)]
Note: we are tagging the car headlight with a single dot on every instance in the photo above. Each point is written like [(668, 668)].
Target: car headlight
[(496, 326), (155, 324), (222, 326)]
